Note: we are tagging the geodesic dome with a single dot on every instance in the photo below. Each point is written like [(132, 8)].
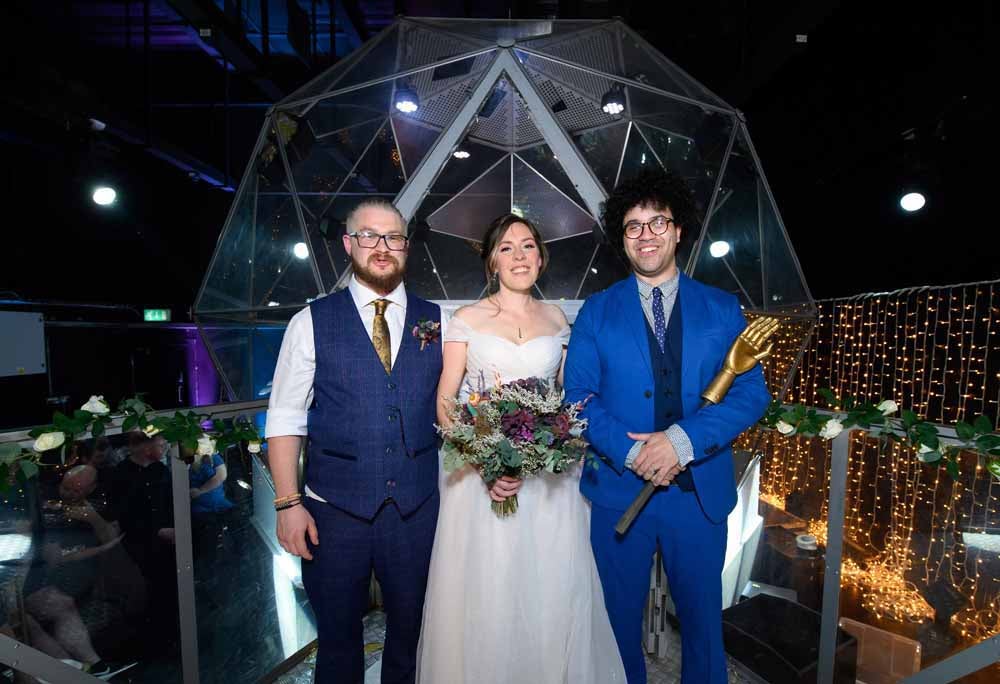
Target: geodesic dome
[(504, 116)]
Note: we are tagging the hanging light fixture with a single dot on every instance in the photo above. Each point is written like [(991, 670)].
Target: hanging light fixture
[(406, 99), (613, 102)]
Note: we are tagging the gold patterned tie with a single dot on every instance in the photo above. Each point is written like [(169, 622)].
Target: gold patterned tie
[(380, 335)]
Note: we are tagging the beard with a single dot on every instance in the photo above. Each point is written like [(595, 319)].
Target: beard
[(380, 282)]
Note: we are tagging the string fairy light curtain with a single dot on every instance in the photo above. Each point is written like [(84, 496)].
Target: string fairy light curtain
[(919, 545)]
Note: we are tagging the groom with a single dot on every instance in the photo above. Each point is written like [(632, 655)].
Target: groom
[(355, 381), (642, 351)]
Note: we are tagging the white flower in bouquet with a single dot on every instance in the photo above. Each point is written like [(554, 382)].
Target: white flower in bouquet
[(48, 440), (888, 407), (206, 446), (96, 405), (151, 430), (831, 429), (784, 428), (253, 447)]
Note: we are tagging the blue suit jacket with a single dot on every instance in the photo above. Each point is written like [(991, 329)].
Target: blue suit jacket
[(608, 361)]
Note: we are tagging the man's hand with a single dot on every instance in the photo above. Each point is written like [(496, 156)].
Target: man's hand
[(293, 525), (505, 487), (166, 534), (657, 460), (195, 493)]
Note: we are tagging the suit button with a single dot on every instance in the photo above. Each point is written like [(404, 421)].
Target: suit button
[(388, 450), (647, 394), (391, 385), (392, 417), (390, 483)]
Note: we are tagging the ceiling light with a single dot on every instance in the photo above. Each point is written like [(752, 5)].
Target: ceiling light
[(719, 249), (407, 100), (104, 196)]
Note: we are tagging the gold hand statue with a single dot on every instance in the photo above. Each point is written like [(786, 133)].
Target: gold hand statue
[(747, 350)]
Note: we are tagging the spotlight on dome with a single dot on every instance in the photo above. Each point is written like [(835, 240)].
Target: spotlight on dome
[(460, 154), (613, 102), (104, 196), (719, 249), (300, 250), (912, 201), (407, 100)]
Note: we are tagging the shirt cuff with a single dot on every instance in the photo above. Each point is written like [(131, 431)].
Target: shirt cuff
[(283, 421), (633, 453), (681, 443)]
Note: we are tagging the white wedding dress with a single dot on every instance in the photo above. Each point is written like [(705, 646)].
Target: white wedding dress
[(518, 599)]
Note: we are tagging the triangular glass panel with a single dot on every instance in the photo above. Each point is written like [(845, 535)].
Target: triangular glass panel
[(469, 162), (697, 158), (459, 264), (333, 114), (318, 227), (380, 170), (602, 149), (537, 200), (227, 283), (469, 213), (542, 160), (377, 58), (324, 167), (282, 262), (414, 141), (638, 156), (784, 285), (229, 344), (605, 268), (568, 263), (422, 278), (730, 253)]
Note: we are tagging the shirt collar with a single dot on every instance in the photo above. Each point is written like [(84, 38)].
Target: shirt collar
[(667, 287), (364, 295)]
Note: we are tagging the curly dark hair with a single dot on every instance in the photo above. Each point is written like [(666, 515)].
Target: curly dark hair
[(652, 187)]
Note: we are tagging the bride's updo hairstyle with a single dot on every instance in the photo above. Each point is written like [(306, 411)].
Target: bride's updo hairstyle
[(494, 235)]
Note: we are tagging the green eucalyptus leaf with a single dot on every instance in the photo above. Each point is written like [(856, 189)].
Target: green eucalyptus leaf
[(97, 429), (994, 467), (952, 469), (987, 442), (4, 477), (929, 456), (909, 418)]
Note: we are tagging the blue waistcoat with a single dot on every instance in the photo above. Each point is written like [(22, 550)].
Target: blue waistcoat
[(668, 408), (371, 433)]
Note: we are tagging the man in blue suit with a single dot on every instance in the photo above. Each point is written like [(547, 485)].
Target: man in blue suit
[(643, 351), (356, 380)]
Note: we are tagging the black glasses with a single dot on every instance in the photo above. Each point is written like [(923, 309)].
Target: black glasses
[(658, 225), (369, 239)]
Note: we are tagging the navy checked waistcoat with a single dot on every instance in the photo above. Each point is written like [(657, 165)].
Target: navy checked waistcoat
[(668, 408), (371, 433)]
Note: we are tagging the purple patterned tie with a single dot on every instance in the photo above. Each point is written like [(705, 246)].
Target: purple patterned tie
[(659, 320)]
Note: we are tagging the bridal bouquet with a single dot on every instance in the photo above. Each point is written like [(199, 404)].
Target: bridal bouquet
[(518, 429)]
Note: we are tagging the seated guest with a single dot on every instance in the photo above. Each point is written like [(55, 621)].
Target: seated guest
[(65, 581)]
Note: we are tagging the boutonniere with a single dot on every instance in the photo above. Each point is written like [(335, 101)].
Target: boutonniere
[(427, 332)]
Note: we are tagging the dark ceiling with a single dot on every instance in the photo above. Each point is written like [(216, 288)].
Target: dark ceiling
[(839, 97)]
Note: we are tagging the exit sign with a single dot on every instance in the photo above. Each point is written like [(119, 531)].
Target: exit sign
[(156, 315)]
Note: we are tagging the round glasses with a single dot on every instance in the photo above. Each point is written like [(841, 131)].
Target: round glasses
[(658, 225), (370, 239)]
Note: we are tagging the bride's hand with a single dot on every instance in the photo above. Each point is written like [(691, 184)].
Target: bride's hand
[(505, 487)]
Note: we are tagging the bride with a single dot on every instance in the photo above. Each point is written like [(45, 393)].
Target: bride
[(513, 599)]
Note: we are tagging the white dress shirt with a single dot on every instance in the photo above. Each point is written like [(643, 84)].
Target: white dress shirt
[(292, 386)]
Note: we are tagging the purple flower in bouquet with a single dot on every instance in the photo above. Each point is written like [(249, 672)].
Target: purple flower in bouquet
[(560, 425), (519, 425)]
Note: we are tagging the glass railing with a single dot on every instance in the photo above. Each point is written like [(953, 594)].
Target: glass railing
[(113, 563)]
